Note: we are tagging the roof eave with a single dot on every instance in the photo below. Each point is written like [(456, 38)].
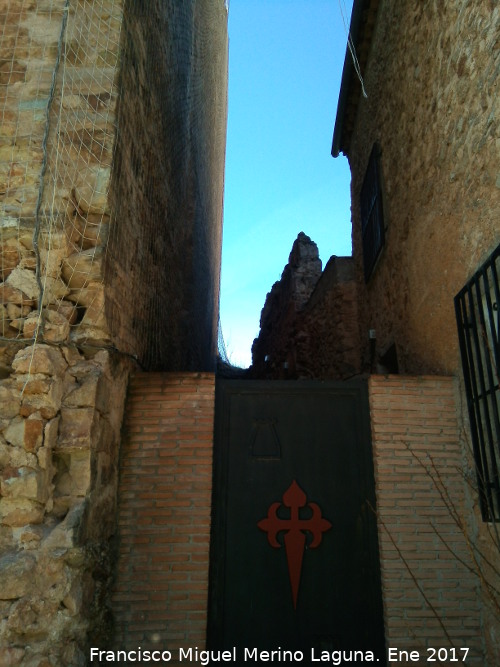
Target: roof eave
[(347, 74)]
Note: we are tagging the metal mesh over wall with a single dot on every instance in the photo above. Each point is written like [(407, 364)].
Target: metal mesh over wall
[(58, 99), (61, 94)]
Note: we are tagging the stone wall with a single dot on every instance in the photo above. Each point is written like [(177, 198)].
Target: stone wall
[(162, 226), (60, 419), (430, 70), (431, 556), (62, 379), (431, 81), (59, 128), (309, 324), (168, 184), (62, 391)]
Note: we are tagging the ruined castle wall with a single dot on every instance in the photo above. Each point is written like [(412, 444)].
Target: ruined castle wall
[(309, 323), (328, 341), (432, 85), (168, 184)]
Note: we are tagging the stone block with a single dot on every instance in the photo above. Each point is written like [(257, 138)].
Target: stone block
[(25, 281), (86, 231), (10, 294), (86, 296), (30, 325), (20, 511), (66, 534), (14, 433), (95, 315), (30, 537), (4, 455), (47, 404), (28, 263), (66, 309), (17, 324), (83, 395), (16, 312), (11, 657), (33, 433), (54, 247), (79, 269), (24, 483), (33, 383), (9, 258), (51, 432), (75, 480), (83, 335), (25, 239), (42, 359), (91, 192), (26, 433), (32, 618), (55, 290), (76, 428), (74, 599), (56, 327), (84, 368), (17, 574), (7, 543), (72, 356), (20, 458), (44, 457), (10, 400)]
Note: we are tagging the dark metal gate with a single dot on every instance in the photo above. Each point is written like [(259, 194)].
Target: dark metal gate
[(294, 561)]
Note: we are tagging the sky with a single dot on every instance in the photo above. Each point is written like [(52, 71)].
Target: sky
[(285, 66)]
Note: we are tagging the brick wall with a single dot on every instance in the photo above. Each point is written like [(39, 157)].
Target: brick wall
[(431, 597), (161, 589)]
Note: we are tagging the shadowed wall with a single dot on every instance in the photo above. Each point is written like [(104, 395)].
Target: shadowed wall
[(167, 184)]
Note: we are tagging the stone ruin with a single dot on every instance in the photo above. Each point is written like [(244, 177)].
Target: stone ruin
[(309, 323)]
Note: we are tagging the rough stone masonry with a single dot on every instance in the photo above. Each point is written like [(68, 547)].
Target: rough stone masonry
[(78, 312)]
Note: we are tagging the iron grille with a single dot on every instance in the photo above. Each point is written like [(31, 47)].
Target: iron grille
[(477, 308), (372, 219)]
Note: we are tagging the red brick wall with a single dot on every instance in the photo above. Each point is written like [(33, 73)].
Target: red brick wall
[(430, 598), (161, 591)]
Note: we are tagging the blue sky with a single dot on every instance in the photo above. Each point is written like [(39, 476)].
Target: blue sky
[(285, 66)]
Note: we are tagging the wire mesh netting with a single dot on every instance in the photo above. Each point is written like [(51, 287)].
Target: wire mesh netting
[(58, 66), (71, 72)]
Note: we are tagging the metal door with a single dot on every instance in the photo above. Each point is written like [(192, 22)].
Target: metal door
[(294, 556)]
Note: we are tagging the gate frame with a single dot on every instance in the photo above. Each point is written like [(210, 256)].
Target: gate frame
[(221, 474)]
